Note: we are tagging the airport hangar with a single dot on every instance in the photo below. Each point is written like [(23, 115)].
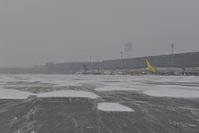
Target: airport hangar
[(188, 62)]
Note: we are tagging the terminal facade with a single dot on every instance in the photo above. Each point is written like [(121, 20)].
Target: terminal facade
[(185, 62)]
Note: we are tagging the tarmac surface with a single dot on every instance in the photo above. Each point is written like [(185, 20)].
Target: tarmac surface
[(80, 115), (164, 113)]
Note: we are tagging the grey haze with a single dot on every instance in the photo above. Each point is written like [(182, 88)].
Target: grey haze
[(33, 32)]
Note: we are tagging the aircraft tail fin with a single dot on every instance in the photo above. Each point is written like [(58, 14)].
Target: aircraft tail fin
[(150, 67)]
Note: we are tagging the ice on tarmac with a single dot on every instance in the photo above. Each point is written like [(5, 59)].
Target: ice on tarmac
[(164, 91), (113, 107), (113, 88), (69, 93), (13, 94), (159, 86), (16, 94), (175, 91)]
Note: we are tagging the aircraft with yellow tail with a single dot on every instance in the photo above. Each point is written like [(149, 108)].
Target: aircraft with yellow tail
[(162, 71), (150, 67)]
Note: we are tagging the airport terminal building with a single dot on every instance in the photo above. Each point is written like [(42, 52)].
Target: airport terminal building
[(188, 62)]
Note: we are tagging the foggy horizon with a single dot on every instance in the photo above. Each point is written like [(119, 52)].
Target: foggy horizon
[(33, 32)]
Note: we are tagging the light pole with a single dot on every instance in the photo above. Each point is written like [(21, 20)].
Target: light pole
[(121, 53), (172, 48), (172, 55)]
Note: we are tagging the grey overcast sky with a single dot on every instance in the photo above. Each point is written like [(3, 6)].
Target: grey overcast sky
[(33, 32)]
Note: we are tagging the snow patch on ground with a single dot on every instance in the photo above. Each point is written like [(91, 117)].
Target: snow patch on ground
[(114, 88), (16, 94), (172, 92), (69, 93), (176, 91), (113, 107), (13, 94), (162, 86)]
